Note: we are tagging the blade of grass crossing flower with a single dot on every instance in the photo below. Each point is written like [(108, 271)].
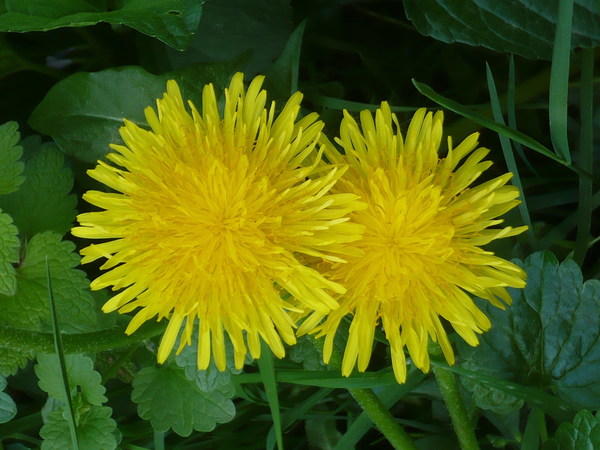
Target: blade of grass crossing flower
[(559, 80), (267, 373), (535, 430), (61, 358), (325, 379), (297, 413), (586, 155), (462, 110), (511, 110), (509, 157)]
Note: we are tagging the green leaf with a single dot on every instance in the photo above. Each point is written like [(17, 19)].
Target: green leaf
[(82, 378), (8, 408), (489, 398), (583, 433), (83, 112), (43, 202), (211, 379), (28, 308), (230, 28), (166, 398), (171, 21), (522, 27), (549, 337), (95, 430), (11, 168), (282, 77), (307, 353), (9, 255), (12, 360)]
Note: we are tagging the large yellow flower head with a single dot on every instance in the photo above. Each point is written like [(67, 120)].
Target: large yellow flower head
[(421, 257), (212, 214)]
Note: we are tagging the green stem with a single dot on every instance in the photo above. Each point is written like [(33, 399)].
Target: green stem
[(374, 409), (94, 342), (382, 418), (456, 407), (586, 155)]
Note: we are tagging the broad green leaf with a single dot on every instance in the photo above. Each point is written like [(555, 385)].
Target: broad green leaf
[(8, 408), (489, 398), (11, 168), (95, 430), (229, 28), (549, 337), (522, 27), (282, 77), (583, 433), (12, 360), (83, 113), (28, 309), (82, 378), (166, 398), (211, 379), (171, 21), (43, 202), (9, 255), (307, 353)]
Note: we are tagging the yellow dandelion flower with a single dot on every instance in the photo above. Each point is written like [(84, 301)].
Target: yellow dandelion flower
[(211, 218), (421, 249)]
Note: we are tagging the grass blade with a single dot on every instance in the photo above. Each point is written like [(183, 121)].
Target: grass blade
[(507, 151), (511, 111), (559, 80), (501, 129), (267, 374), (586, 155), (61, 359)]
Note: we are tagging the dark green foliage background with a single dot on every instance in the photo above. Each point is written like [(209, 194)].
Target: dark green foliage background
[(71, 70)]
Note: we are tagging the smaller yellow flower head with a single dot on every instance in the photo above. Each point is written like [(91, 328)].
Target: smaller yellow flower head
[(421, 258), (211, 215)]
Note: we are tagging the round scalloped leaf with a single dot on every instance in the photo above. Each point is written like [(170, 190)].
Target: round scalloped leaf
[(166, 398), (549, 337)]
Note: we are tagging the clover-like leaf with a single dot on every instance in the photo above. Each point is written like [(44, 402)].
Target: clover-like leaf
[(28, 309), (583, 433), (522, 27), (43, 202), (82, 378), (95, 430), (549, 337), (11, 167), (168, 399), (9, 255), (171, 21), (8, 408)]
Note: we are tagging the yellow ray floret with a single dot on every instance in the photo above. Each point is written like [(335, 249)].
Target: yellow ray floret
[(210, 219), (420, 258)]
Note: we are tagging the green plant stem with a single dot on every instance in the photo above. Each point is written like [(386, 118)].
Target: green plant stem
[(58, 347), (375, 409), (382, 418), (586, 155), (463, 425), (94, 342)]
